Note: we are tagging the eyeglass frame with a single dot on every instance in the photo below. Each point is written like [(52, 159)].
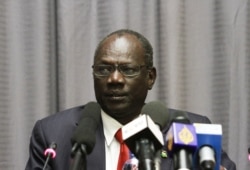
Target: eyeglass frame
[(117, 67)]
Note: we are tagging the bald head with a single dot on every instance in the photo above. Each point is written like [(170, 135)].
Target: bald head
[(145, 44)]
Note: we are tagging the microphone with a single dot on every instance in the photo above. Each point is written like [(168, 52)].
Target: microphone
[(49, 153), (158, 112), (143, 137), (181, 141), (83, 139), (249, 153), (208, 154)]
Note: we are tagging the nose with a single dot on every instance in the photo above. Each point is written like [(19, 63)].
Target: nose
[(116, 77)]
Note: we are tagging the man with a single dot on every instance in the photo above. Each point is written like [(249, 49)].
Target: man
[(123, 73)]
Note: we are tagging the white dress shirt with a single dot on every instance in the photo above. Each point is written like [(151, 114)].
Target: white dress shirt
[(112, 146)]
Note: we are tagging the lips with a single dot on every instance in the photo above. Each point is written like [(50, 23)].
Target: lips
[(115, 96)]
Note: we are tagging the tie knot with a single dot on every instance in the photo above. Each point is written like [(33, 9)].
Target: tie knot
[(118, 135)]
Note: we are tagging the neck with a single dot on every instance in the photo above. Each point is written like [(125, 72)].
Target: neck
[(127, 119)]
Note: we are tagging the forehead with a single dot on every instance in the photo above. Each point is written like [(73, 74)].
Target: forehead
[(121, 47)]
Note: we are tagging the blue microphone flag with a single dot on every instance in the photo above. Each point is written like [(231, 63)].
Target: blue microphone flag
[(209, 144)]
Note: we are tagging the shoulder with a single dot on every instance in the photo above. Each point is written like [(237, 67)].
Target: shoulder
[(54, 124), (55, 127), (70, 115), (193, 117)]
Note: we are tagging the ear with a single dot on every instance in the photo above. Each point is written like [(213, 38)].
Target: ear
[(151, 77)]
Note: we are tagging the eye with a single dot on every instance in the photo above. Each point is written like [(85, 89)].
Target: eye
[(103, 69), (129, 69)]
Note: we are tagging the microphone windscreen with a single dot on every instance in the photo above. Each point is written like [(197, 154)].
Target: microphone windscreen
[(158, 112), (180, 117), (86, 130)]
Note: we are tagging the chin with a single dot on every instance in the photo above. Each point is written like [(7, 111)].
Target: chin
[(116, 106), (116, 111)]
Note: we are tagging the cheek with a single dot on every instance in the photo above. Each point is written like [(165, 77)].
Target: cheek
[(140, 87), (98, 85)]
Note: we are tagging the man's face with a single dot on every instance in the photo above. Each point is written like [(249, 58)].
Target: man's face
[(119, 96)]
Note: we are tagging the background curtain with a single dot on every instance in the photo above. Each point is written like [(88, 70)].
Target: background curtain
[(201, 51)]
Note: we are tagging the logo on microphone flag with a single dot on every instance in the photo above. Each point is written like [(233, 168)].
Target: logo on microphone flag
[(180, 135)]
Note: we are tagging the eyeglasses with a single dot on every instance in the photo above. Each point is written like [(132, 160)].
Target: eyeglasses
[(127, 70)]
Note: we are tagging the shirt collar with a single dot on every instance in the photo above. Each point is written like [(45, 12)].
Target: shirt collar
[(110, 127)]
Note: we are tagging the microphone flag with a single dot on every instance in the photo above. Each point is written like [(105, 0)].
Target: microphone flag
[(179, 136), (209, 144), (141, 127)]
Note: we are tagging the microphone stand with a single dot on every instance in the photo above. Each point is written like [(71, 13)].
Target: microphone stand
[(145, 150), (157, 160), (183, 160), (79, 157)]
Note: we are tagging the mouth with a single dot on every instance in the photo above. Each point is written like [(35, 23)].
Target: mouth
[(115, 96)]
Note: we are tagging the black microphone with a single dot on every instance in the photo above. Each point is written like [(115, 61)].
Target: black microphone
[(84, 137), (143, 137), (181, 141), (158, 112), (49, 153)]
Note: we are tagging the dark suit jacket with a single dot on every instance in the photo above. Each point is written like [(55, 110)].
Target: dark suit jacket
[(59, 128)]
